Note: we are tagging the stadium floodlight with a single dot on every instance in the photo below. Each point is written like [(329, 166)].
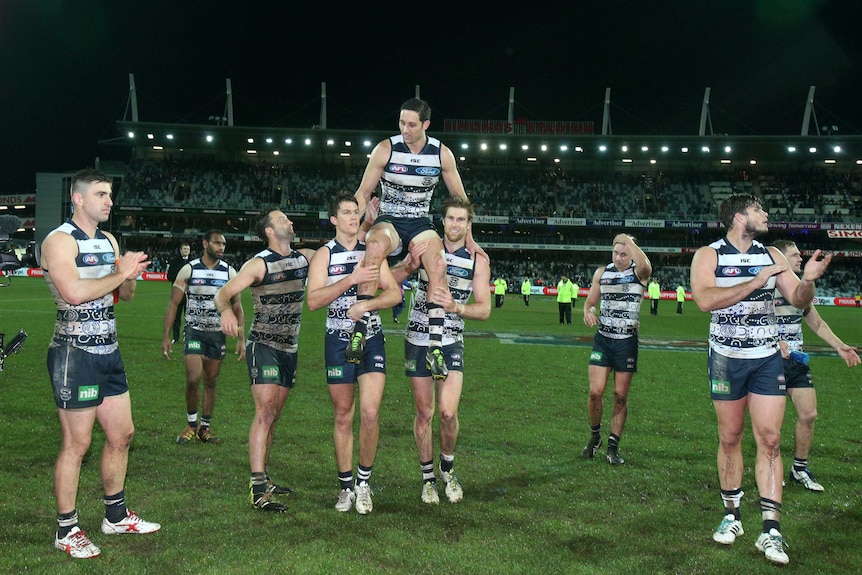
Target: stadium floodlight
[(752, 161), (158, 148), (330, 142), (251, 152), (525, 147), (556, 160), (812, 149), (837, 149), (269, 140), (579, 149), (169, 136), (275, 152), (829, 161), (484, 146), (308, 141), (704, 149), (544, 147), (151, 137), (288, 140), (727, 149), (627, 160), (644, 148), (250, 140), (664, 148), (348, 143), (564, 148), (131, 135), (725, 161), (603, 148), (652, 161), (504, 147), (532, 159), (624, 148), (791, 149), (684, 149)]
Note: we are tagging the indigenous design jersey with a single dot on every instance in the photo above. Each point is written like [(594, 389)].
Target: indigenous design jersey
[(620, 304), (789, 318), (341, 264), (278, 300), (459, 276), (748, 328), (409, 179), (203, 283), (89, 326)]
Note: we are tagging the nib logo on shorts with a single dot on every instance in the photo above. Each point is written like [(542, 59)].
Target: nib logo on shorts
[(195, 344), (410, 365), (596, 356), (269, 372), (334, 371), (722, 387), (88, 393)]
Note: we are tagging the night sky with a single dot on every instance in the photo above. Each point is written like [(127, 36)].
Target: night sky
[(64, 67)]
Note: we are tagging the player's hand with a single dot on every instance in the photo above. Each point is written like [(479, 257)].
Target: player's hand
[(784, 349), (229, 323), (167, 348), (443, 297), (816, 265), (768, 271), (590, 319), (240, 349), (131, 264), (417, 250), (364, 274), (357, 310), (849, 355)]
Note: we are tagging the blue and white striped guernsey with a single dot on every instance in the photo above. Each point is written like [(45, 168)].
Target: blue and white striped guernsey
[(278, 300), (90, 325), (620, 304), (459, 275), (789, 318), (748, 329), (409, 179), (203, 283), (342, 262)]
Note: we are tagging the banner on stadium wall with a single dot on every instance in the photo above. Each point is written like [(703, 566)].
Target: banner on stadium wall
[(24, 199)]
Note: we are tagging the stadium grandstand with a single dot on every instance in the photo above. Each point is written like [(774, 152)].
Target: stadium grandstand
[(549, 195)]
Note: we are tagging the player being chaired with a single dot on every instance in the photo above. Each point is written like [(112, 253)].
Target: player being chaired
[(408, 167)]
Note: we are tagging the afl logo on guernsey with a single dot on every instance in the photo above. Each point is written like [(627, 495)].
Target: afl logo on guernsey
[(90, 259), (197, 281), (397, 169), (337, 270), (731, 271), (428, 171)]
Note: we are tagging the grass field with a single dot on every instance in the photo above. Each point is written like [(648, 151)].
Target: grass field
[(531, 506)]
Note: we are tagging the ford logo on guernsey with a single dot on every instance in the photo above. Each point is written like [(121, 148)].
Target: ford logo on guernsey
[(455, 271), (397, 169), (428, 171), (90, 259), (108, 258), (218, 283), (730, 271)]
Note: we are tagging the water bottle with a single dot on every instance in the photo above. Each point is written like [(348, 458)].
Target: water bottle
[(800, 357)]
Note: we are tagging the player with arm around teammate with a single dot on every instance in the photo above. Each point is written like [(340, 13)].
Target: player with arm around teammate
[(735, 278), (334, 274), (466, 274)]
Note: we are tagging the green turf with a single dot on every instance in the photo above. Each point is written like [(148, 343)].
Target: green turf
[(531, 504)]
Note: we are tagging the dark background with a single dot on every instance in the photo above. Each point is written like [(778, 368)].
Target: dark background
[(64, 67)]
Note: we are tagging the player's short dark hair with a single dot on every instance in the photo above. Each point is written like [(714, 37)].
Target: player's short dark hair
[(208, 235), (735, 204), (421, 107), (87, 176), (338, 198), (265, 222)]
